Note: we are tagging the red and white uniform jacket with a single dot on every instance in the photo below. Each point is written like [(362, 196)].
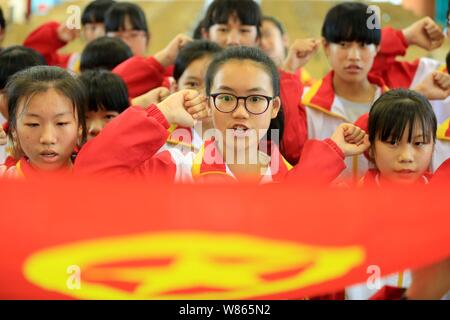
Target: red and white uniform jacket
[(138, 136), (325, 112), (405, 74), (45, 41), (442, 148)]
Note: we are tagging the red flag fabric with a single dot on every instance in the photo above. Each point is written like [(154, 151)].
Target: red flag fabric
[(127, 240)]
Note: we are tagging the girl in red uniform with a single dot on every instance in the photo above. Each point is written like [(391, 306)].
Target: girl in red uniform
[(47, 121)]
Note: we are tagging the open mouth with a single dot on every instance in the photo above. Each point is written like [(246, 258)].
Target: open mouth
[(48, 155), (240, 130)]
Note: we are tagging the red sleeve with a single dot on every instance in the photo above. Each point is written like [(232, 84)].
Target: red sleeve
[(126, 147), (442, 174), (45, 41), (389, 293), (295, 128), (5, 126), (396, 74), (320, 164), (140, 74)]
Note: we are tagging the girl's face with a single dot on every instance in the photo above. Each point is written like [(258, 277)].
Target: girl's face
[(47, 130), (273, 43), (135, 39), (93, 30), (351, 61), (401, 161), (97, 120), (193, 76), (242, 78), (233, 33)]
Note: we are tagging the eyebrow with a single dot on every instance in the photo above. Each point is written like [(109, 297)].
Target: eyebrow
[(257, 89), (192, 78), (38, 116)]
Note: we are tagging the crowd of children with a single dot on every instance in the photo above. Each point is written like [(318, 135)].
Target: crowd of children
[(234, 105)]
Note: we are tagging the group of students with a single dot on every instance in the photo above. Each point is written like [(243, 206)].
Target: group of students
[(234, 104)]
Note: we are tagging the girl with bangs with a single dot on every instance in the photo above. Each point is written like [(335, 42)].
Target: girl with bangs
[(347, 91)]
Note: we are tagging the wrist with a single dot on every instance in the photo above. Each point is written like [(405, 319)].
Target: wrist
[(162, 58), (166, 111), (407, 37)]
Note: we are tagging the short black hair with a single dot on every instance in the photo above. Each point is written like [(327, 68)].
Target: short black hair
[(105, 91), (219, 11), (116, 14), (197, 33), (192, 51), (394, 110), (24, 84), (105, 53), (2, 20), (94, 12), (348, 22), (276, 22), (255, 55), (17, 58)]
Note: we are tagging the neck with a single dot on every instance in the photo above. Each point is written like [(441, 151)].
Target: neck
[(362, 91), (245, 166)]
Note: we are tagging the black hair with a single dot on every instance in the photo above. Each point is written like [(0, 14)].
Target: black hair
[(348, 21), (116, 14), (197, 33), (276, 22), (219, 11), (255, 55), (192, 51), (17, 58), (105, 53), (2, 20), (94, 12), (105, 90), (25, 84), (394, 110)]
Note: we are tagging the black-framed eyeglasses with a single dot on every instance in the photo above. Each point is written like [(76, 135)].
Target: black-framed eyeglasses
[(254, 104)]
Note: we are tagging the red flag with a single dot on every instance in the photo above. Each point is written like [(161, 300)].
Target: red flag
[(120, 240)]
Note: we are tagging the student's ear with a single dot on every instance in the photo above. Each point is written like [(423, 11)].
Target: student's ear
[(378, 48), (3, 106), (285, 40), (173, 86), (326, 47), (149, 38), (258, 42), (80, 136), (371, 154), (276, 105), (205, 34)]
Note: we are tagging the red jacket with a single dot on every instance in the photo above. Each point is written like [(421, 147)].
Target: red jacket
[(400, 74), (141, 74), (295, 127), (45, 40), (442, 174), (128, 147)]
